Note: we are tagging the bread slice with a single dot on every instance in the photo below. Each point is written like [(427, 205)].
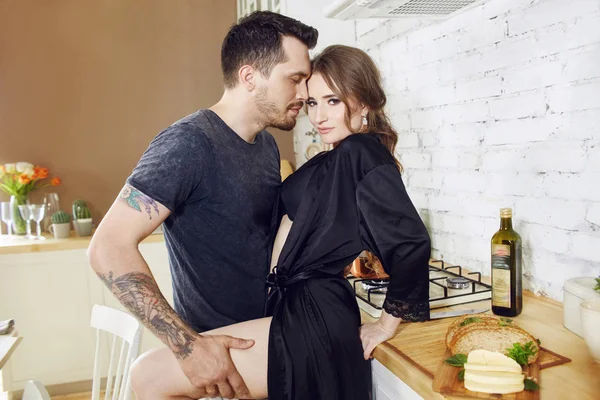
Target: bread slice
[(492, 337), (467, 320)]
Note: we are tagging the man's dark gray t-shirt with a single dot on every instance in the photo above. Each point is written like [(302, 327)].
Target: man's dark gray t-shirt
[(220, 190)]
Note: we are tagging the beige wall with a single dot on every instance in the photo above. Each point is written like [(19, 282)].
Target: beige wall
[(85, 85)]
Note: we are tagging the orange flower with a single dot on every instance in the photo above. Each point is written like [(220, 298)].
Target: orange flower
[(39, 173), (55, 182), (42, 173), (24, 179)]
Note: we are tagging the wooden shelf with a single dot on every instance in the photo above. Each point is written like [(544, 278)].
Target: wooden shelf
[(16, 245)]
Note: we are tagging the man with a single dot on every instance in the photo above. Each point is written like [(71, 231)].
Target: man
[(212, 178)]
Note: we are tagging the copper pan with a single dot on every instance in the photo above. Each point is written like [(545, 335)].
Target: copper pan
[(359, 269)]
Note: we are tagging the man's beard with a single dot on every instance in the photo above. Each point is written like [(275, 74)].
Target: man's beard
[(273, 116)]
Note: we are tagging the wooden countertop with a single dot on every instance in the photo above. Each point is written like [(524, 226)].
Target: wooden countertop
[(417, 349), (16, 245)]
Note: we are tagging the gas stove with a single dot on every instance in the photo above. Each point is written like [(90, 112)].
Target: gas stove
[(447, 287)]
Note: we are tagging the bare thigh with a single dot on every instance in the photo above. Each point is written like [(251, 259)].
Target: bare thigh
[(167, 375)]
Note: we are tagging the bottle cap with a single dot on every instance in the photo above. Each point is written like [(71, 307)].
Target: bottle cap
[(506, 213)]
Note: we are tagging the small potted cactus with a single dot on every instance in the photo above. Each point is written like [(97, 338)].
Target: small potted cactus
[(61, 227), (82, 218)]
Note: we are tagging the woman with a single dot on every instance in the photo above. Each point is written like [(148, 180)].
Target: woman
[(338, 204)]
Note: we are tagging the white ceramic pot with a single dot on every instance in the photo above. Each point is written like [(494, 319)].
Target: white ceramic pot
[(590, 324), (60, 231), (577, 290)]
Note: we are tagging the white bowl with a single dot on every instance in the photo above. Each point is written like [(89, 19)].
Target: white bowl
[(577, 290), (590, 324)]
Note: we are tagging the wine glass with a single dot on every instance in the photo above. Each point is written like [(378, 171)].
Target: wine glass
[(7, 216), (27, 216), (37, 214)]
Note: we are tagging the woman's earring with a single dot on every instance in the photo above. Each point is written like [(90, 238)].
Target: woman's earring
[(364, 121)]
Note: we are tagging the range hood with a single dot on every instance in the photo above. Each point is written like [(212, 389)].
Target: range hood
[(355, 9)]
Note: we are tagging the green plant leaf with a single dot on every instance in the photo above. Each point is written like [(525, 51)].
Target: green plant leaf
[(470, 320), (530, 384), (507, 320), (461, 374), (521, 353), (597, 288), (457, 360)]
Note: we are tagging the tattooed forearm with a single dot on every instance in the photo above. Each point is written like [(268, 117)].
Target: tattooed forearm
[(134, 197), (140, 294)]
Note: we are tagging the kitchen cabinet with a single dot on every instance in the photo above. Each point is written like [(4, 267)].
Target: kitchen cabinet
[(50, 294), (387, 386), (245, 7), (331, 31)]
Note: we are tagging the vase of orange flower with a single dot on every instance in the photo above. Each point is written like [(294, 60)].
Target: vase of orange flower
[(19, 180)]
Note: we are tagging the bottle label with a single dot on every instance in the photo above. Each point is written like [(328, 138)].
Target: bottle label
[(501, 275)]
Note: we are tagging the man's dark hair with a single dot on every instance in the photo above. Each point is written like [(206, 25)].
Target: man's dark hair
[(256, 40)]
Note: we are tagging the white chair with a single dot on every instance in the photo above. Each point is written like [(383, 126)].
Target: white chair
[(120, 327), (34, 390)]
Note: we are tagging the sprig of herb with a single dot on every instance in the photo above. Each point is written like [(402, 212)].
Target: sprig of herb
[(457, 360), (521, 353), (597, 288), (530, 384), (470, 320)]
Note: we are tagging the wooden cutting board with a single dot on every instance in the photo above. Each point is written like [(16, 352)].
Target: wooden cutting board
[(446, 382), (423, 345)]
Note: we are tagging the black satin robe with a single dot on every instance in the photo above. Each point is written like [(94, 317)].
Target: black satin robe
[(341, 202)]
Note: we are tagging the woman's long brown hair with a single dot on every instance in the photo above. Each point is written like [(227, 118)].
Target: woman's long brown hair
[(353, 77)]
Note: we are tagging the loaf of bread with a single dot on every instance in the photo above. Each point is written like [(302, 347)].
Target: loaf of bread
[(487, 332)]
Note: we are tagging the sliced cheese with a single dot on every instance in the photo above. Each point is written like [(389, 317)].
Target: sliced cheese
[(494, 378), (491, 372), (492, 368), (500, 389), (484, 360)]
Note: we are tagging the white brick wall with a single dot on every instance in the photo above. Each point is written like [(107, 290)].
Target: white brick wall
[(500, 106)]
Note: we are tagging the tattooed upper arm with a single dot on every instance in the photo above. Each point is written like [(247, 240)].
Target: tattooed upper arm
[(132, 218), (136, 199)]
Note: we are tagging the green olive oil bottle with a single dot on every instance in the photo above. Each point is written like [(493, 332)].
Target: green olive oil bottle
[(507, 275)]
